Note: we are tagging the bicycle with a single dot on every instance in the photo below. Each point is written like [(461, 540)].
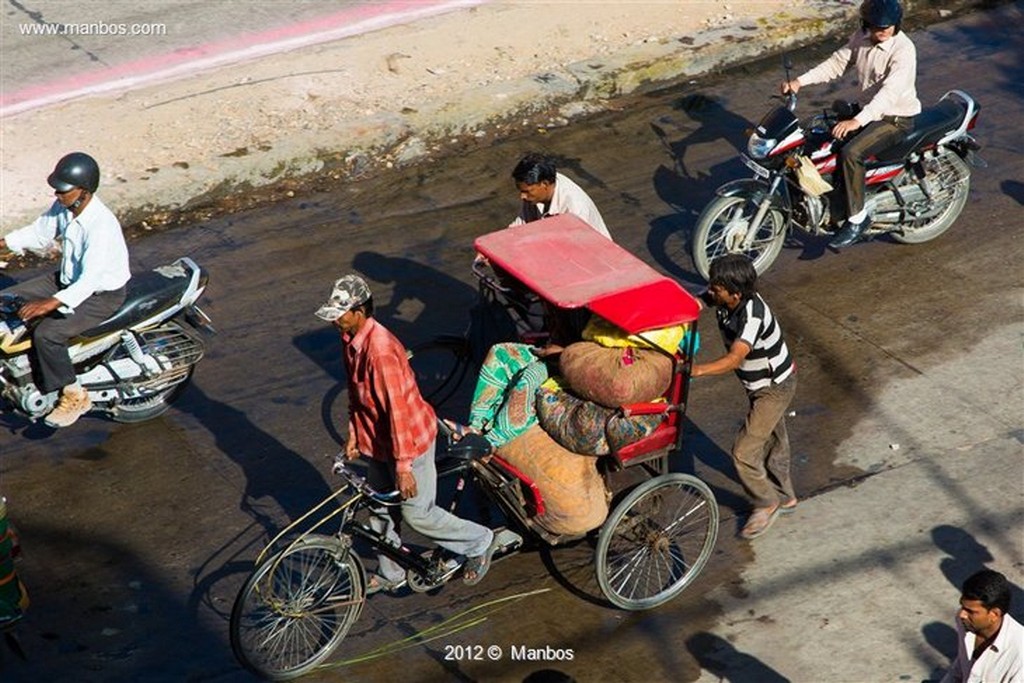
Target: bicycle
[(300, 602)]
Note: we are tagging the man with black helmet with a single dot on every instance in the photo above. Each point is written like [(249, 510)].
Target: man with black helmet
[(88, 287), (886, 64)]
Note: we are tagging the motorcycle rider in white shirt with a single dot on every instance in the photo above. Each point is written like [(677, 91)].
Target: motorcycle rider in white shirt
[(88, 288)]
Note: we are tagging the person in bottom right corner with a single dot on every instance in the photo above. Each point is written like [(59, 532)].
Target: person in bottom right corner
[(990, 642), (757, 353)]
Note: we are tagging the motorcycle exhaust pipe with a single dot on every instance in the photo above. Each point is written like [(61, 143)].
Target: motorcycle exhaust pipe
[(885, 205)]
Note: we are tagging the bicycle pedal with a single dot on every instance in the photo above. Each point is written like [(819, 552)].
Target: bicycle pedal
[(507, 540), (448, 565)]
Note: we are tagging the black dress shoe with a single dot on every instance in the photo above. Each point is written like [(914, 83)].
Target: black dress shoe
[(850, 233)]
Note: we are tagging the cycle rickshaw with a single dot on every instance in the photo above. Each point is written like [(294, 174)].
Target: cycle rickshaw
[(304, 594)]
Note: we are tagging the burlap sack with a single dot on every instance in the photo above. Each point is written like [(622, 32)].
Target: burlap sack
[(615, 377), (574, 495), (585, 427)]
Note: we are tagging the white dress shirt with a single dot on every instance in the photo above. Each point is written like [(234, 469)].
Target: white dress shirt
[(567, 198), (887, 73), (94, 256), (1001, 662)]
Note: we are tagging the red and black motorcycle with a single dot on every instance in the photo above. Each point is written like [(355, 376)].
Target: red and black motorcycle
[(915, 191)]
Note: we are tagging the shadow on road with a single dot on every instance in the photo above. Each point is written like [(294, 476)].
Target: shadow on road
[(118, 586), (717, 656)]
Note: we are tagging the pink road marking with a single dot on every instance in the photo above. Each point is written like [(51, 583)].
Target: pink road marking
[(187, 61)]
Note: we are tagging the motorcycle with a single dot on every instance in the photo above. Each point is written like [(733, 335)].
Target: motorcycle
[(914, 191), (134, 364)]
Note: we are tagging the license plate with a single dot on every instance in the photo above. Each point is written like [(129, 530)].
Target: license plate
[(759, 170)]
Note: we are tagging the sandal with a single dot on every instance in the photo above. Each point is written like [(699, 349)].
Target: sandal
[(375, 583), (475, 568), (759, 522), (789, 507)]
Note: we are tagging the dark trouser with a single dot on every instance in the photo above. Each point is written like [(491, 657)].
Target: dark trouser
[(876, 137), (51, 361), (761, 450)]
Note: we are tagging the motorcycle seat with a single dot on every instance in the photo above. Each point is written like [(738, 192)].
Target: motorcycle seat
[(930, 125), (146, 294)]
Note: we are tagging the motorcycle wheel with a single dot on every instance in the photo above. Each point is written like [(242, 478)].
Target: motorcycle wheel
[(954, 174), (722, 226), (142, 409)]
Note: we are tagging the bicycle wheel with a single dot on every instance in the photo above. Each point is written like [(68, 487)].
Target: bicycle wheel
[(439, 366), (297, 607), (656, 541)]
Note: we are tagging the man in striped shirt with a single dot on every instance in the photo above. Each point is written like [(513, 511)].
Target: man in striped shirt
[(392, 425), (757, 353)]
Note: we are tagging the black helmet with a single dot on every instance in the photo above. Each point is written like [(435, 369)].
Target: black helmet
[(881, 13), (77, 169)]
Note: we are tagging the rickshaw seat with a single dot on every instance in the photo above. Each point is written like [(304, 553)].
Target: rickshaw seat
[(536, 501), (645, 409)]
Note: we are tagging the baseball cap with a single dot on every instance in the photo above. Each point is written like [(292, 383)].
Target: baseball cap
[(349, 291)]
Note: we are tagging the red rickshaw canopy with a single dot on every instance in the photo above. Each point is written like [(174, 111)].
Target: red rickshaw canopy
[(571, 265)]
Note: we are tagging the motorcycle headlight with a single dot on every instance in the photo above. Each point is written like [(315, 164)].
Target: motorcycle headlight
[(758, 147)]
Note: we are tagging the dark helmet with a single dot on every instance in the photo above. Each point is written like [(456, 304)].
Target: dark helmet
[(881, 13), (77, 169)]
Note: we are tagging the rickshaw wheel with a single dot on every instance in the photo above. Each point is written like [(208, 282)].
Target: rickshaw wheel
[(297, 607), (656, 541)]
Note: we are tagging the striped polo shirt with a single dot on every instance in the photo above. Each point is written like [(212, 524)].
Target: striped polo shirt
[(752, 322)]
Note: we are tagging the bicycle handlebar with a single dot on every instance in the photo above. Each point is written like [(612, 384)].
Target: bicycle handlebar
[(353, 479), (487, 279)]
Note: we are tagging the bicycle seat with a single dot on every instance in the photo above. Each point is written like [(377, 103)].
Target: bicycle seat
[(469, 447)]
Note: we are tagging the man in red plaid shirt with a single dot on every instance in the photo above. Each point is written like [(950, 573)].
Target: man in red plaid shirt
[(391, 424)]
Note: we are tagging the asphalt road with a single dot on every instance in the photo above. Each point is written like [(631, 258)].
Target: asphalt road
[(136, 538)]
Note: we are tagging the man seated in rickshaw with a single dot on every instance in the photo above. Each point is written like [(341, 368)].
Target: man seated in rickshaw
[(511, 373), (543, 192)]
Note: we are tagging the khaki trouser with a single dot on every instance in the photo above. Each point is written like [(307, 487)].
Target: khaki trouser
[(876, 137), (761, 450)]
